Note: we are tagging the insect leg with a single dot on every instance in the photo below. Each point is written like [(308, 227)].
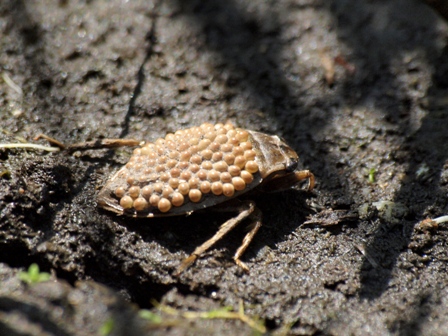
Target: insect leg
[(223, 230), (303, 175), (103, 143), (247, 240), (96, 144)]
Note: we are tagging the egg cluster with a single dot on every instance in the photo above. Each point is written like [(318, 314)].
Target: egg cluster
[(186, 166)]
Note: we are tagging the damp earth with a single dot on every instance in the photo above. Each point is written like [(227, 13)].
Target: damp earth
[(357, 89)]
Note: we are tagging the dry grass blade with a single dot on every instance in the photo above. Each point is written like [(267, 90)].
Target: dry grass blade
[(221, 313), (30, 146)]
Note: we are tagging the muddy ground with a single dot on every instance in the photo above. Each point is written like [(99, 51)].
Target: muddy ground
[(358, 88)]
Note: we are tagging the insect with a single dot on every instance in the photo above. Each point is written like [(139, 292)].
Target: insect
[(199, 168)]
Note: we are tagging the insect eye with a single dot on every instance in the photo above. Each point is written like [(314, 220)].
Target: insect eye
[(292, 165)]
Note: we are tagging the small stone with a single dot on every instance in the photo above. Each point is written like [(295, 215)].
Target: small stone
[(391, 212)]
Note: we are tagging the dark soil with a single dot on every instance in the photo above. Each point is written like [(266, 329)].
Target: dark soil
[(358, 88)]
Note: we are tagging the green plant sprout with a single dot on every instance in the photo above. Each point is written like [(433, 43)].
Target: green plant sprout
[(150, 316), (33, 275), (107, 327), (372, 173)]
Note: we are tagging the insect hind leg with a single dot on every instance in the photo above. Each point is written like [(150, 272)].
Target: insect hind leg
[(248, 239), (248, 209)]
